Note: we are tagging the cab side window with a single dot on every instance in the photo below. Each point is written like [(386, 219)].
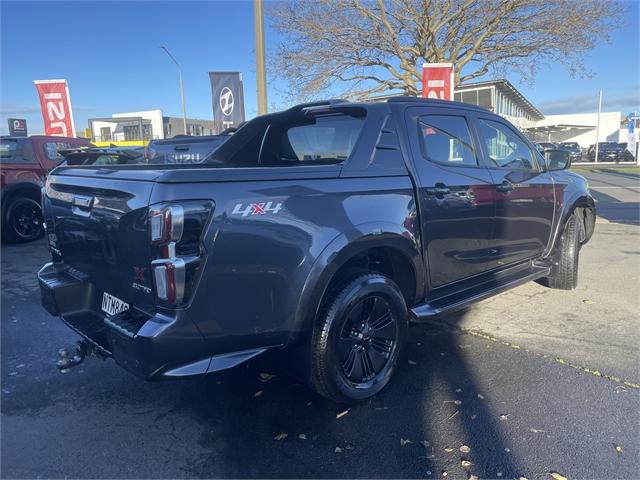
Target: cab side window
[(446, 139), (51, 150), (504, 147)]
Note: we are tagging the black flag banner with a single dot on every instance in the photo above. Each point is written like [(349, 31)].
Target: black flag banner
[(228, 99)]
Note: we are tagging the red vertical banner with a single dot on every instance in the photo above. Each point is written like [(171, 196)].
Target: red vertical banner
[(55, 104), (437, 81)]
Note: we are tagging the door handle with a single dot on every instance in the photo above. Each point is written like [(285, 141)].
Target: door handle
[(504, 187), (438, 189)]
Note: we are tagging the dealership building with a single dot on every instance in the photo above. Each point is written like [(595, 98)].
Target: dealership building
[(144, 126)]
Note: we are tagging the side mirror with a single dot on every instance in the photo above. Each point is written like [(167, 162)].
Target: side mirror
[(557, 159)]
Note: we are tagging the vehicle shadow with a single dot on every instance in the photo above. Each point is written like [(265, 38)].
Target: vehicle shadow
[(614, 210), (432, 418)]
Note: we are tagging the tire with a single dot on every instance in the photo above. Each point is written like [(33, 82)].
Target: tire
[(564, 274), (23, 220), (358, 338)]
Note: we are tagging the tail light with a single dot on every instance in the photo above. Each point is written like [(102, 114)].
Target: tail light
[(175, 235)]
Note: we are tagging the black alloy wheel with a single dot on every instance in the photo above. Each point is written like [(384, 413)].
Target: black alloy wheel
[(367, 340), (358, 337), (24, 220)]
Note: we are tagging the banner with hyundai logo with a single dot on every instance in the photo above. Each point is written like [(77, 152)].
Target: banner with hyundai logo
[(228, 99)]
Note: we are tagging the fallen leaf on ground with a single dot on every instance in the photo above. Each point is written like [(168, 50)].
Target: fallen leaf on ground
[(425, 444), (343, 413), (444, 474), (481, 397), (465, 449), (523, 478), (587, 301), (281, 436), (265, 377), (535, 430), (507, 450), (302, 436), (465, 464), (619, 449), (338, 450), (557, 476), (308, 404), (448, 449), (457, 402), (411, 362), (257, 394), (458, 390), (499, 474), (503, 417), (404, 441), (473, 477), (474, 416)]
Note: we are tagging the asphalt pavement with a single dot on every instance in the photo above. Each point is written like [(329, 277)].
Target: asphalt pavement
[(531, 382)]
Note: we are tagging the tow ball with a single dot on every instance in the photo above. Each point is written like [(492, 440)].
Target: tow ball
[(72, 356)]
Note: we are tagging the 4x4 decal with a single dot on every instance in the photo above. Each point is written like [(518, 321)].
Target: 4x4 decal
[(261, 208)]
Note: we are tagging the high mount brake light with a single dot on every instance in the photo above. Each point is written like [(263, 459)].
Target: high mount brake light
[(175, 234)]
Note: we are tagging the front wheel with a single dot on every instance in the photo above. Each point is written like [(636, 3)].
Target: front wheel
[(358, 338), (564, 273), (23, 221)]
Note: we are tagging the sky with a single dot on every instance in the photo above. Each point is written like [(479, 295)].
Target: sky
[(109, 53)]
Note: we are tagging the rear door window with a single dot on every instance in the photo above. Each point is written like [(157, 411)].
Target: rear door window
[(446, 139)]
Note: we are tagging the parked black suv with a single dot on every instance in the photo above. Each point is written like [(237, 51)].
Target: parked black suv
[(323, 230), (607, 152), (575, 153)]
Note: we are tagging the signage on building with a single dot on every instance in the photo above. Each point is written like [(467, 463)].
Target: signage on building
[(228, 99), (17, 127), (437, 81), (55, 104)]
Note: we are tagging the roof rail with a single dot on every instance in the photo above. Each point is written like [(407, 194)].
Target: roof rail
[(436, 101)]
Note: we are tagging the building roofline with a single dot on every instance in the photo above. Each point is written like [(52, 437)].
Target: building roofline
[(510, 89)]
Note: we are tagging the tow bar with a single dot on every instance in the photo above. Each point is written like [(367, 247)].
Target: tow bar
[(67, 359)]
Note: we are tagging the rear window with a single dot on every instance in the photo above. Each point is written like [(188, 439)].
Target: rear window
[(313, 136), (328, 139), (7, 148)]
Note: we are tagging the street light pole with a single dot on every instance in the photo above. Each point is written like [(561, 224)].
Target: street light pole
[(184, 110), (261, 76), (598, 125)]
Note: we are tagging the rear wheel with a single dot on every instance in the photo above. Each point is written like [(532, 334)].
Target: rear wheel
[(564, 274), (358, 338), (23, 220)]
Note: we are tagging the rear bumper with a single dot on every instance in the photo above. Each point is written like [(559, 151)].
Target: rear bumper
[(166, 344)]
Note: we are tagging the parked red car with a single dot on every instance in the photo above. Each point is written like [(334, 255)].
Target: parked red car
[(24, 164)]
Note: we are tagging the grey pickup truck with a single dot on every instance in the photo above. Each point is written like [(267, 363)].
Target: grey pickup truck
[(323, 230)]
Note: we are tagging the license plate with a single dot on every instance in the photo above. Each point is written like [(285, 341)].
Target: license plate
[(113, 305)]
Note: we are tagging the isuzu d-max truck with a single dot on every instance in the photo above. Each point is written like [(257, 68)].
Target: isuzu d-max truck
[(323, 229)]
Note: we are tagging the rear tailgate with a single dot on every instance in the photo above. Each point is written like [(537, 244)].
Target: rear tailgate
[(97, 224)]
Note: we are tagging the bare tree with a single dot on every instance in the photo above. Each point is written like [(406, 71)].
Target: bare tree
[(364, 47)]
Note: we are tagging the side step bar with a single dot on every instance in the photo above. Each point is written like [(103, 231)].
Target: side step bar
[(451, 303)]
